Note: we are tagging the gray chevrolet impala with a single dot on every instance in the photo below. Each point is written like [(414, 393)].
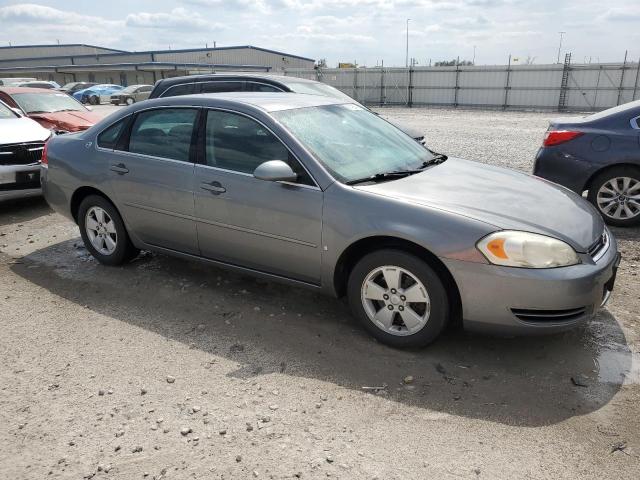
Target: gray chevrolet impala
[(322, 194)]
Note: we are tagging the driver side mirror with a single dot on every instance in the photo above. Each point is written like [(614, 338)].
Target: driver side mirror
[(275, 171)]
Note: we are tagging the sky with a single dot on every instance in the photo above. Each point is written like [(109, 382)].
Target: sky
[(362, 31)]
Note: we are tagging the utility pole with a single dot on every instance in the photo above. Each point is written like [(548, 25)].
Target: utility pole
[(560, 46), (406, 58), (474, 55)]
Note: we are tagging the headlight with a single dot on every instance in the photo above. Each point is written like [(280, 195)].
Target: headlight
[(526, 250)]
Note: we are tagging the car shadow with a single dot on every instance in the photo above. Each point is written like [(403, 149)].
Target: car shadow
[(23, 210), (271, 328)]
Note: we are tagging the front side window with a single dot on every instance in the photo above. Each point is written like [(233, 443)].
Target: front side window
[(164, 133), (109, 137), (235, 142), (351, 142)]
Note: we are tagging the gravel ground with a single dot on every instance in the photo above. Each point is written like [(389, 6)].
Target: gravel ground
[(167, 369)]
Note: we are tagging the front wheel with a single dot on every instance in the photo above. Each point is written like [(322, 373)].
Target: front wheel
[(103, 231), (616, 195), (93, 100), (130, 101), (398, 298)]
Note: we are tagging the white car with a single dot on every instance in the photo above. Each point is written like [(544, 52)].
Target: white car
[(21, 144)]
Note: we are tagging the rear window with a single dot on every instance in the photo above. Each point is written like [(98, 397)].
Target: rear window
[(179, 90)]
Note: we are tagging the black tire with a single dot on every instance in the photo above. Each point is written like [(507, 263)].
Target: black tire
[(130, 101), (93, 100), (124, 251), (439, 302), (604, 177)]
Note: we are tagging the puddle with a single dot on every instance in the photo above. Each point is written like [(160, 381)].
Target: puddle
[(614, 367)]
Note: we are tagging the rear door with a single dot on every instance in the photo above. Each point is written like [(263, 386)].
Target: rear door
[(273, 227), (152, 177)]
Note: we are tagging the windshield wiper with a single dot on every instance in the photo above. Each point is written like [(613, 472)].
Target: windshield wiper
[(437, 159), (380, 177)]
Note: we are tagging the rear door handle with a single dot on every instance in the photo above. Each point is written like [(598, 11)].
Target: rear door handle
[(119, 168), (214, 187)]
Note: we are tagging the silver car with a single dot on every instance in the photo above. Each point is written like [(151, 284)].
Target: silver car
[(21, 144), (323, 194)]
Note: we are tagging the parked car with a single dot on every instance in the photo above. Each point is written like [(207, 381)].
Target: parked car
[(131, 94), (53, 110), (97, 94), (9, 81), (21, 144), (39, 84), (254, 82), (598, 154), (73, 87), (316, 192)]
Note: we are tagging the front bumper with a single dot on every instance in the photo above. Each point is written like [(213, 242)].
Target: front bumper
[(18, 181), (116, 100), (520, 301)]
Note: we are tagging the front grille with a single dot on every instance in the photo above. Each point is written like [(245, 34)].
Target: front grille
[(21, 153), (599, 247), (549, 316)]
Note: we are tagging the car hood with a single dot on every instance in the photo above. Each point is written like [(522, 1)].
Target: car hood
[(70, 121), (504, 198), (19, 130), (413, 132)]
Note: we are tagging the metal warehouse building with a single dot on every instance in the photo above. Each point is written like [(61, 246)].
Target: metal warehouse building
[(80, 62)]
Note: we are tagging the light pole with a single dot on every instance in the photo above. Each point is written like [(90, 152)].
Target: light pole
[(406, 59), (560, 46), (474, 55)]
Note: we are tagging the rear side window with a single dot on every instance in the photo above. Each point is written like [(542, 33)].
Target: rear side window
[(219, 87), (145, 89), (109, 137), (164, 133), (261, 87), (179, 90)]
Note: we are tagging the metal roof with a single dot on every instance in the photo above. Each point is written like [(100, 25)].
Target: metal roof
[(64, 45), (154, 52), (141, 66)]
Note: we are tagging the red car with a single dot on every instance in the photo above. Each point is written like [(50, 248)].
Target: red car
[(54, 110)]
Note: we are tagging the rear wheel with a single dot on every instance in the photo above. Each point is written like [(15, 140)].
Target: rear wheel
[(616, 195), (103, 231), (398, 298)]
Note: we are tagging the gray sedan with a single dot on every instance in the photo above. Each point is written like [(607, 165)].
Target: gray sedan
[(324, 194)]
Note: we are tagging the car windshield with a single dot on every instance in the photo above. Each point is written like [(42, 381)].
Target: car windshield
[(5, 112), (318, 89), (46, 103), (129, 89), (353, 143)]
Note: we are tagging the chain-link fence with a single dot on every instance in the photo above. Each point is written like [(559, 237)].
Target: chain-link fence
[(564, 87)]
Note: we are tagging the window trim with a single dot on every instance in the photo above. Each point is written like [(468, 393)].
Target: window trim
[(197, 91), (126, 119), (201, 157), (635, 123)]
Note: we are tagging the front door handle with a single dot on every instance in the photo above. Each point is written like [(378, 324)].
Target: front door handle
[(214, 187), (119, 168)]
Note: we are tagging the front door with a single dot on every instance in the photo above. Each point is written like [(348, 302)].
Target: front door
[(153, 178), (272, 227)]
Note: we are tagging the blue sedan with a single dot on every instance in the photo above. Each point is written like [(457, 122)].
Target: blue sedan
[(97, 94)]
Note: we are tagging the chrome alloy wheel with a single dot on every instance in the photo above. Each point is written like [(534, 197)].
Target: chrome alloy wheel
[(101, 230), (619, 198), (395, 300)]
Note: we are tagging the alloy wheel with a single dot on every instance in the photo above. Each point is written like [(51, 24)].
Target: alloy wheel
[(619, 198), (395, 300), (101, 230)]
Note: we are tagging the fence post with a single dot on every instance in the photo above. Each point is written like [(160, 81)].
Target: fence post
[(635, 85), (410, 88), (355, 83), (624, 66), (382, 96), (457, 87), (505, 104)]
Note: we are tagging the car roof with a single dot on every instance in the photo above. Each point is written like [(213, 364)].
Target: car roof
[(244, 75), (12, 90), (269, 102)]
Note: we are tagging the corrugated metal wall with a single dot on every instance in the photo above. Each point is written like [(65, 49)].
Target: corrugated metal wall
[(589, 87)]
